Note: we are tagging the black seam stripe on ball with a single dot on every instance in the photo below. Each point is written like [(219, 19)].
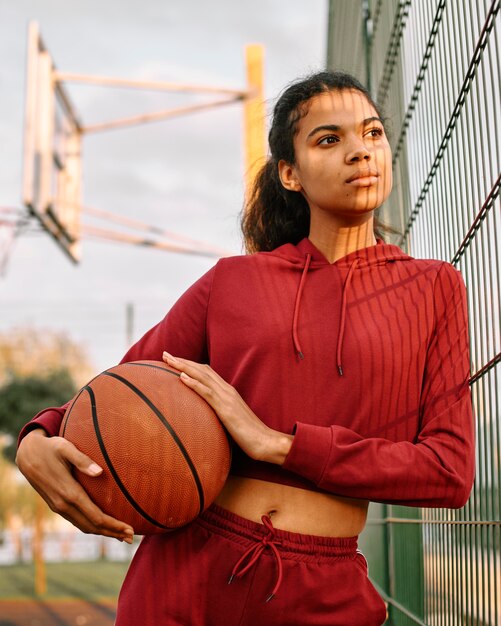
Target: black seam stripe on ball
[(171, 430), (120, 484), (155, 367), (67, 417)]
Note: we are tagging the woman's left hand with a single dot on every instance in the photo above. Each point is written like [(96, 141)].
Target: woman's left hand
[(255, 438)]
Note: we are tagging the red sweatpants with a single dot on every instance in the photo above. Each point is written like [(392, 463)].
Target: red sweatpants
[(182, 578)]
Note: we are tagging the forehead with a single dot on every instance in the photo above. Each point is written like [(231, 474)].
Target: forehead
[(342, 108)]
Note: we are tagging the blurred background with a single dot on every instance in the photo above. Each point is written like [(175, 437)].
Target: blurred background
[(434, 66)]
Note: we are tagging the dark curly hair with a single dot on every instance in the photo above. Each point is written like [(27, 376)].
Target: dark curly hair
[(273, 215)]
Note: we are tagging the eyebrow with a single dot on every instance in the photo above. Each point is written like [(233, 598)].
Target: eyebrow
[(335, 127)]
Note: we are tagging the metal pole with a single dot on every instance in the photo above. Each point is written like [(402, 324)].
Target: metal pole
[(129, 323), (157, 115), (254, 113), (367, 30), (40, 572), (150, 85)]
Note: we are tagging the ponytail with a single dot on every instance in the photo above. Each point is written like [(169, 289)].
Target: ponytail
[(273, 215)]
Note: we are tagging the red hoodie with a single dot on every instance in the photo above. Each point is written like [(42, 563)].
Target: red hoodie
[(365, 360)]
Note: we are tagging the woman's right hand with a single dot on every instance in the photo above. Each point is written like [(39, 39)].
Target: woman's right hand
[(46, 463)]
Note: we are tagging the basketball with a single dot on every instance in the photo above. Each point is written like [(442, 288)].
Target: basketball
[(165, 455)]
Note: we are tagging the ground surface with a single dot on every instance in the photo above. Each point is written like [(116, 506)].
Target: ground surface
[(57, 612), (78, 594)]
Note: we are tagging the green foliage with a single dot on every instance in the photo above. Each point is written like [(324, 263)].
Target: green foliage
[(22, 397), (17, 498)]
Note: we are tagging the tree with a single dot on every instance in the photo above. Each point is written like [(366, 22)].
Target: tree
[(17, 498), (27, 351), (38, 369), (7, 490), (23, 397)]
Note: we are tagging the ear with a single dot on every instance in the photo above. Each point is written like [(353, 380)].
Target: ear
[(288, 176)]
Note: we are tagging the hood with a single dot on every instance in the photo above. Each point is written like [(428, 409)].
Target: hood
[(306, 257), (373, 255)]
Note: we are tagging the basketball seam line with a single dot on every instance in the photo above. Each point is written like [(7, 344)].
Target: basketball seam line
[(67, 417), (156, 367), (112, 469), (171, 430)]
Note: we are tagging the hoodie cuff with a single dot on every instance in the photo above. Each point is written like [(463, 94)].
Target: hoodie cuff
[(310, 451), (49, 420)]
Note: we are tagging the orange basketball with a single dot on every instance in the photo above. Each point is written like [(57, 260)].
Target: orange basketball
[(164, 453)]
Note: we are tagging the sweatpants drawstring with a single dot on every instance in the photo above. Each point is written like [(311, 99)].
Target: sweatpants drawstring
[(255, 551)]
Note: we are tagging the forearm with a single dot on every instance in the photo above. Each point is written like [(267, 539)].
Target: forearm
[(48, 420), (279, 446), (435, 471)]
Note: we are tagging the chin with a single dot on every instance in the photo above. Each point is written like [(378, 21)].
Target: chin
[(363, 210), (365, 205)]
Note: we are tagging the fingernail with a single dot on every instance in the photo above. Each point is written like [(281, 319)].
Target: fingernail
[(95, 469), (169, 356), (128, 540)]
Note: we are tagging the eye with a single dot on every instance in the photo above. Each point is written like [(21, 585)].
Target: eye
[(376, 132), (330, 139)]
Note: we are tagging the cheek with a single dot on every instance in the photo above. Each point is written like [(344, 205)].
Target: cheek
[(384, 165), (384, 189), (320, 174), (388, 181)]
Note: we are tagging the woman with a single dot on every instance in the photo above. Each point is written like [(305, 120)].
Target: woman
[(338, 364)]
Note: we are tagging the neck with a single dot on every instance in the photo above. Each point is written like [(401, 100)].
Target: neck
[(336, 240)]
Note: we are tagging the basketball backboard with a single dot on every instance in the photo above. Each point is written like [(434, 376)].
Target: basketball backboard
[(54, 134), (52, 144)]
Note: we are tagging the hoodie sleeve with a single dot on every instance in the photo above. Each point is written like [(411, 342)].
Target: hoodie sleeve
[(181, 332), (437, 468)]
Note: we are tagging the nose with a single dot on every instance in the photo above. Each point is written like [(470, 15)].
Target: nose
[(357, 152)]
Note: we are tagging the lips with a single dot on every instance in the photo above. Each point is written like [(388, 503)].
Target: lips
[(368, 173)]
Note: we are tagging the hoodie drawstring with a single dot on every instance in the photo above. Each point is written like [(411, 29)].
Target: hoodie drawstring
[(295, 338), (255, 551), (342, 323), (343, 317)]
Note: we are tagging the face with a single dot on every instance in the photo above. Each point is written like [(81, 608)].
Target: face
[(343, 158)]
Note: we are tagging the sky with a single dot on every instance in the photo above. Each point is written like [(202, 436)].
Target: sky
[(184, 175)]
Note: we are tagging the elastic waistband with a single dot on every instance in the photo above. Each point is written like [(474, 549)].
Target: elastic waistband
[(292, 545)]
